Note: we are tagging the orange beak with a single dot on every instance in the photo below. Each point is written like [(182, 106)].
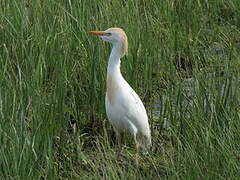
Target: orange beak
[(98, 33)]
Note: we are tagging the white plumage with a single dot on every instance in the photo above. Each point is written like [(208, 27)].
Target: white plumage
[(124, 108)]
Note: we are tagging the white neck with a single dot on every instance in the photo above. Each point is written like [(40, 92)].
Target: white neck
[(114, 60)]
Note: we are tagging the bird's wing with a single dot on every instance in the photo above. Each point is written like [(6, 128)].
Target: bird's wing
[(137, 101), (135, 111)]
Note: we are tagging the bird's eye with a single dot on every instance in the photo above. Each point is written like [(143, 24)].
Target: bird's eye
[(108, 34)]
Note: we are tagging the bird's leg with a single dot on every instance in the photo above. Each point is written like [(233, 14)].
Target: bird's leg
[(137, 147), (119, 146)]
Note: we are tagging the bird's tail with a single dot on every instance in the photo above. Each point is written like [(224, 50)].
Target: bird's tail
[(145, 142)]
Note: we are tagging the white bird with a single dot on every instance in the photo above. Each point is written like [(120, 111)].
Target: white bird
[(124, 108)]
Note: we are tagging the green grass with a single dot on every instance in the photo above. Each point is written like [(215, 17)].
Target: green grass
[(52, 88)]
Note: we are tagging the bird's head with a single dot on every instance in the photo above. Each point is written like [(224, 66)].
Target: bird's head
[(116, 36)]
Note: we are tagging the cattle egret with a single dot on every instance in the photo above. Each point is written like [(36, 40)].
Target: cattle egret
[(124, 108)]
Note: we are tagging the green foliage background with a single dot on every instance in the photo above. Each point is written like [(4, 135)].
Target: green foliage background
[(183, 61)]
